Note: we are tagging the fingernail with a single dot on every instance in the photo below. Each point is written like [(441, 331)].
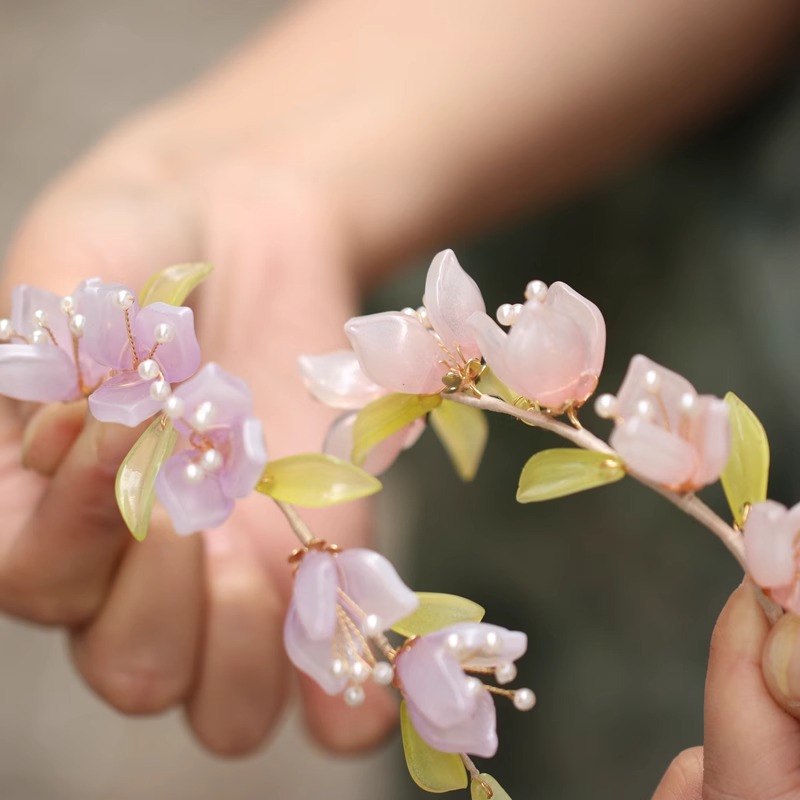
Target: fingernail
[(782, 656)]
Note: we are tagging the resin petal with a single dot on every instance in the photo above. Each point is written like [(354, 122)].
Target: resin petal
[(179, 358), (770, 534), (337, 380), (710, 433), (313, 657), (105, 338), (39, 373), (492, 341), (315, 585), (246, 458), (124, 399), (230, 396)]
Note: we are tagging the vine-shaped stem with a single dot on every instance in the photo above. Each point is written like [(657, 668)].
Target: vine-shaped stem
[(300, 529), (686, 501)]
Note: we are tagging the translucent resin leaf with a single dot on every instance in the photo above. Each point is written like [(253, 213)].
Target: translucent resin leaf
[(137, 475), (463, 431), (479, 791), (745, 476), (431, 769), (437, 611), (316, 479), (382, 417), (560, 472), (489, 383), (173, 284)]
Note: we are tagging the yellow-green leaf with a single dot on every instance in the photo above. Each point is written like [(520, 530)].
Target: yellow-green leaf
[(745, 476), (137, 475), (437, 611), (478, 788), (463, 430), (381, 418), (489, 383), (557, 473), (316, 479), (173, 284), (431, 769)]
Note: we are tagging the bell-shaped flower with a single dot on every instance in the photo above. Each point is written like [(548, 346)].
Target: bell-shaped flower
[(554, 350), (341, 603), (450, 709), (428, 350), (664, 431), (42, 358), (143, 349), (337, 380), (224, 454), (771, 538)]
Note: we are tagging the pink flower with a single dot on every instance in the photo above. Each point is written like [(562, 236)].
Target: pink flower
[(413, 351), (341, 604), (664, 431), (225, 454), (554, 351), (771, 537), (42, 359), (143, 349), (452, 711), (337, 380)]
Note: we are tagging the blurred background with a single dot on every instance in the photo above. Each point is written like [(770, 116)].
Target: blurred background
[(691, 256)]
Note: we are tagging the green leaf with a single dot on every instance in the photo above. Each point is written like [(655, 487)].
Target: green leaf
[(431, 769), (137, 475), (381, 418), (173, 284), (463, 431), (745, 476), (316, 479), (489, 383), (478, 786), (557, 473), (437, 611)]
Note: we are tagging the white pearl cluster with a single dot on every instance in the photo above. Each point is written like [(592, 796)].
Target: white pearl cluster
[(508, 313), (358, 672)]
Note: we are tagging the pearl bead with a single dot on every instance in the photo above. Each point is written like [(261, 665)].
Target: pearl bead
[(473, 686), (372, 625), (67, 304), (164, 332), (40, 317), (652, 381), (6, 330), (204, 415), (505, 314), (536, 290), (38, 337), (338, 668), (354, 696), (605, 406), (211, 460), (194, 472), (174, 407), (383, 673), (524, 699), (359, 671), (123, 299), (160, 390), (491, 643), (453, 642), (77, 324), (148, 369), (409, 312), (505, 672)]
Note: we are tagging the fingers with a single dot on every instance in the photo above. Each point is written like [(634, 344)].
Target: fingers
[(752, 747), (50, 434), (782, 663), (684, 778)]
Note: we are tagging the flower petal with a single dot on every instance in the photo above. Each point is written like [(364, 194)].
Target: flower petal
[(191, 506), (105, 338), (484, 645), (654, 453), (337, 380), (492, 341), (230, 396), (124, 399), (451, 296), (769, 539), (314, 593), (476, 735), (397, 352), (312, 657), (39, 373), (373, 584), (26, 300), (245, 460), (710, 433), (179, 358)]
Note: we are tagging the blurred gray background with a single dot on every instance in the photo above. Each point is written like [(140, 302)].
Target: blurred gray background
[(691, 256)]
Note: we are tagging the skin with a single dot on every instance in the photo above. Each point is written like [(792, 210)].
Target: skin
[(331, 147)]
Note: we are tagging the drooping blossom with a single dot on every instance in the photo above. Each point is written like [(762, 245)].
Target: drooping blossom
[(451, 710), (665, 431), (341, 603), (224, 454), (337, 380), (427, 350), (554, 350), (42, 358), (144, 350), (771, 538)]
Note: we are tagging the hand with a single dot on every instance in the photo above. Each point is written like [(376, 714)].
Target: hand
[(752, 733), (194, 621)]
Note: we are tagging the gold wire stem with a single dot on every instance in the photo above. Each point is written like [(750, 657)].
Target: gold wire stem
[(84, 389), (475, 775), (50, 333), (299, 528), (509, 693), (131, 340), (572, 415)]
